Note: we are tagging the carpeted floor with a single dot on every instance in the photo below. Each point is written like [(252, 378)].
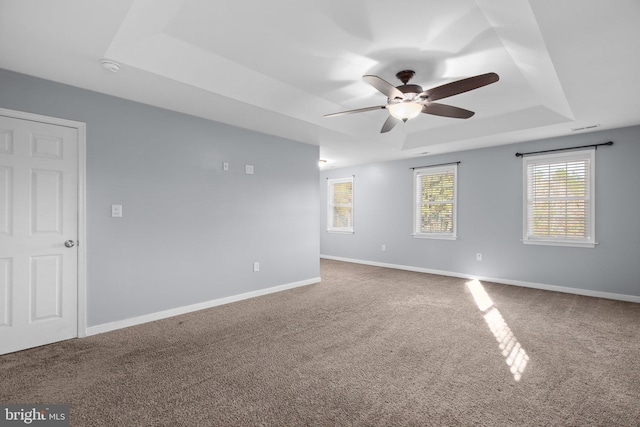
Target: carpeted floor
[(366, 347)]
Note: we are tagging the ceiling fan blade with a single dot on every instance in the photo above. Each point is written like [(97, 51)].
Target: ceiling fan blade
[(459, 86), (389, 124), (387, 89), (359, 110), (446, 110)]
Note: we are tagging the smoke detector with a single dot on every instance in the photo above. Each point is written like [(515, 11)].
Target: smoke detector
[(112, 66)]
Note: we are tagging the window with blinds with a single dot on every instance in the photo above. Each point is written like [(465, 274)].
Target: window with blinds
[(559, 207), (340, 205), (435, 191)]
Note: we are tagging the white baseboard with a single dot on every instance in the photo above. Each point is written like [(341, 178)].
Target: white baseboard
[(119, 324), (566, 290)]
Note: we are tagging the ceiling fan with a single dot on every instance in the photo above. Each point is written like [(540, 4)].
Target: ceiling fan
[(406, 101)]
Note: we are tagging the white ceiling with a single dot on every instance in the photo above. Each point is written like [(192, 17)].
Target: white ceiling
[(279, 66)]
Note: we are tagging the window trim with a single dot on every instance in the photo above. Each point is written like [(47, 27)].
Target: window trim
[(330, 183), (589, 242), (433, 170)]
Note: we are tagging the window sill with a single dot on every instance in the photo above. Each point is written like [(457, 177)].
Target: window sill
[(339, 232), (435, 236), (559, 243)]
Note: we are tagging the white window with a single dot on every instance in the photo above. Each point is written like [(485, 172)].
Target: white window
[(558, 199), (340, 204), (435, 195)]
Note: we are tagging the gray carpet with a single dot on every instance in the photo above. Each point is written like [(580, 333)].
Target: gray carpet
[(366, 347)]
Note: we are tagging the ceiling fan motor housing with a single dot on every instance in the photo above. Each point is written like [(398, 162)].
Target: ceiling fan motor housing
[(410, 89), (404, 76)]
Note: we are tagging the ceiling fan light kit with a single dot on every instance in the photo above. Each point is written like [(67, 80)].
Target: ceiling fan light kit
[(405, 110), (407, 101)]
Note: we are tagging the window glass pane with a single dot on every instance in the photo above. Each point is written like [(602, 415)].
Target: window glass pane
[(342, 193), (341, 217), (437, 187), (436, 218)]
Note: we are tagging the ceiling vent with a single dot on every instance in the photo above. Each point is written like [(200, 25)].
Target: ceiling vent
[(585, 128)]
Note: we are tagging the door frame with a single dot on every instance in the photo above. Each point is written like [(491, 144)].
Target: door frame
[(82, 200)]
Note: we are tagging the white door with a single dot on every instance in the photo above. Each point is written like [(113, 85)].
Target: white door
[(38, 214)]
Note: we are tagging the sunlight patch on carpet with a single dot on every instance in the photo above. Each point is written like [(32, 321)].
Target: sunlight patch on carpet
[(514, 355)]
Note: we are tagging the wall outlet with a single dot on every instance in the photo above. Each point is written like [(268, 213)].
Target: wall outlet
[(116, 211), (384, 248), (248, 169), (256, 266), (478, 257)]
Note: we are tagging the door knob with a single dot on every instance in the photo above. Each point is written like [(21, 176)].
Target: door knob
[(69, 243)]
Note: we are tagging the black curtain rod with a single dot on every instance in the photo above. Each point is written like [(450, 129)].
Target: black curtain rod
[(439, 164), (338, 178), (563, 149)]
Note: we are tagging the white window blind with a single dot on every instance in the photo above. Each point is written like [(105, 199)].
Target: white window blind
[(435, 202), (340, 205), (559, 207)]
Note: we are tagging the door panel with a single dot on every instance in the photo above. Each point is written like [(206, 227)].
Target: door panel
[(46, 281), (6, 141), (46, 203), (38, 213), (5, 295), (6, 201)]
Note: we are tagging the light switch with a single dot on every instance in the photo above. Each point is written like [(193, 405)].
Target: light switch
[(225, 166), (116, 211)]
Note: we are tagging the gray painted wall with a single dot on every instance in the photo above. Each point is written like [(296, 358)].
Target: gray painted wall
[(190, 232), (488, 178)]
